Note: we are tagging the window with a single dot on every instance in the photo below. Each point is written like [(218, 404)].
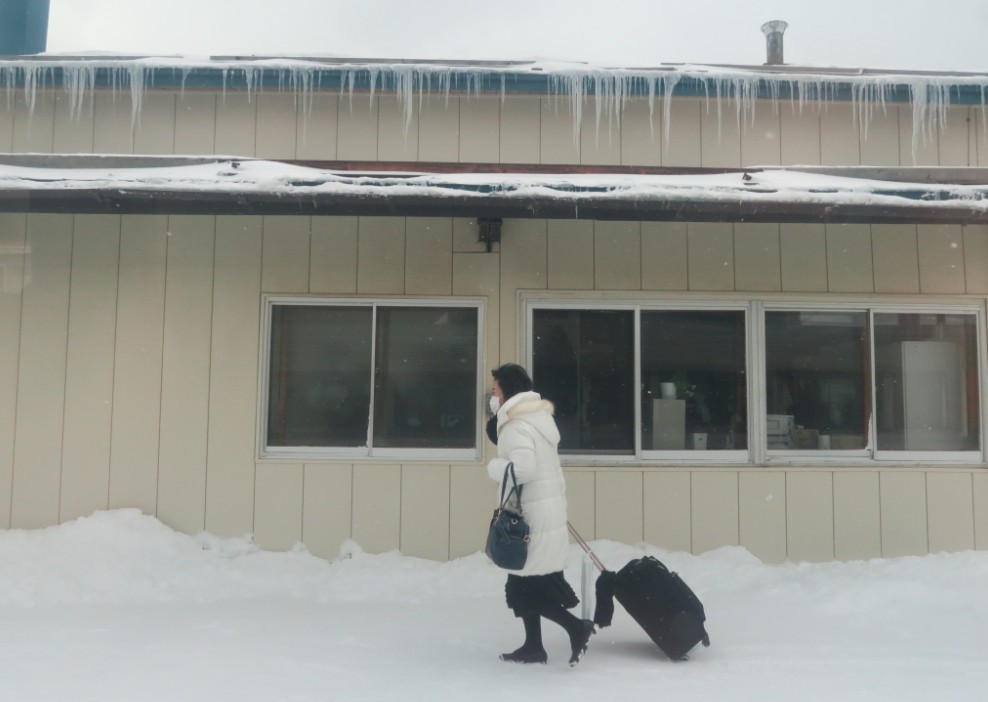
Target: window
[(817, 380), (760, 381), (689, 364), (363, 378)]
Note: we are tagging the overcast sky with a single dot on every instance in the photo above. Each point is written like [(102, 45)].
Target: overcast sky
[(902, 34)]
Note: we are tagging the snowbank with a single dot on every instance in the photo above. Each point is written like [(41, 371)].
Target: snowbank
[(118, 606)]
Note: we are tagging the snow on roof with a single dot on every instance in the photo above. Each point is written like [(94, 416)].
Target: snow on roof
[(609, 88), (232, 185)]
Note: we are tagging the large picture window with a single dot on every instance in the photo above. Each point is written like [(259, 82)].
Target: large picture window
[(363, 378), (760, 382)]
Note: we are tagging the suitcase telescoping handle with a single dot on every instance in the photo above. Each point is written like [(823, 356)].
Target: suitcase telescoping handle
[(583, 544)]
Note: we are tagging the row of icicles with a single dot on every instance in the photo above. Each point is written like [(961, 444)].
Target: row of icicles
[(608, 90)]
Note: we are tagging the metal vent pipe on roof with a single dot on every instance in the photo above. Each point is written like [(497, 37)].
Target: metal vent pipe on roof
[(773, 41), (23, 27)]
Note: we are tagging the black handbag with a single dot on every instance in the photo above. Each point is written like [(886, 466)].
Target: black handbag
[(509, 533)]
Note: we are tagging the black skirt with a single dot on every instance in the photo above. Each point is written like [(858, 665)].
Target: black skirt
[(531, 594)]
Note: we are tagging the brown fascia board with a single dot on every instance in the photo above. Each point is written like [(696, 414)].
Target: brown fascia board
[(391, 203)]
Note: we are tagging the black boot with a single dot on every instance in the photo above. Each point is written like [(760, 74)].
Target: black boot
[(579, 631), (531, 651), (581, 641)]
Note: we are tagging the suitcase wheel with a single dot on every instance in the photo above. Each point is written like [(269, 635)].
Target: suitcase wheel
[(705, 640)]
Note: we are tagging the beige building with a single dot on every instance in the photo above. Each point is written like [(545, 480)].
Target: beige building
[(790, 360)]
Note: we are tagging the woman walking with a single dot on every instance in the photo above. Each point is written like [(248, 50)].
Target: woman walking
[(527, 436)]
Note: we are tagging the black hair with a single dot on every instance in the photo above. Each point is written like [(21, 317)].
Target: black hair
[(512, 379)]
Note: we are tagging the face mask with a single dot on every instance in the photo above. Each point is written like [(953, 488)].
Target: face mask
[(495, 404)]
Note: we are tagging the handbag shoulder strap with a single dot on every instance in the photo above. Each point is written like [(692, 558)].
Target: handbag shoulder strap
[(515, 488)]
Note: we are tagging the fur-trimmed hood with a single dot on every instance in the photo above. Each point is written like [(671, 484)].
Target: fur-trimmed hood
[(531, 408)]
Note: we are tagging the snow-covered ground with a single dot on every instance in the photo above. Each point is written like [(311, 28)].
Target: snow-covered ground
[(118, 606)]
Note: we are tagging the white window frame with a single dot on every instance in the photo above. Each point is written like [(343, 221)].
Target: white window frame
[(757, 452), (368, 452)]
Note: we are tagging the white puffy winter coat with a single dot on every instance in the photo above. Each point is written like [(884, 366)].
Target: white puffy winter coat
[(527, 436)]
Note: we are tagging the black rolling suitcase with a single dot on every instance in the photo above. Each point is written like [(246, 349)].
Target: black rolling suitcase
[(656, 598), (663, 605)]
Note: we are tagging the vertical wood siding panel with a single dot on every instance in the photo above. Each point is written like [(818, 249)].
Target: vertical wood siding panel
[(233, 377), (333, 261), (428, 256), (480, 129), (41, 373), (466, 238), (236, 124), (839, 144), (439, 130), (381, 255), (641, 134), (34, 131), (425, 511), (810, 516), (524, 254), (617, 256), (278, 506), (520, 130), (880, 144), (711, 256), (581, 502), (720, 137), (714, 510), (276, 124), (13, 267), (904, 523), (557, 141), (472, 496), (357, 129), (895, 257), (926, 150), (800, 135), (941, 258), (849, 267), (981, 511), (195, 123), (185, 373), (6, 125), (761, 143), (600, 143), (665, 256), (286, 254), (137, 363), (803, 250), (571, 255), (89, 366), (857, 517), (316, 128), (377, 507), (73, 129), (756, 257), (155, 132), (619, 506), (976, 258), (114, 123), (950, 504), (762, 518), (397, 140), (666, 521), (326, 512), (684, 121)]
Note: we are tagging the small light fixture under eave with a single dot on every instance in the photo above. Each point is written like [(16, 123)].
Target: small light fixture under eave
[(489, 231)]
